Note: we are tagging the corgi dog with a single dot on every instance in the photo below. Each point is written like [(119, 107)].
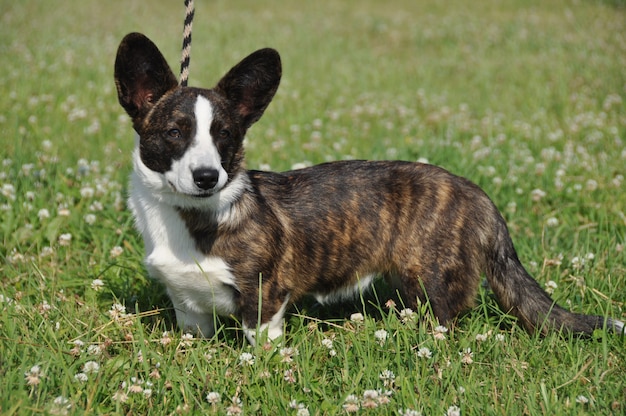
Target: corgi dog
[(229, 241)]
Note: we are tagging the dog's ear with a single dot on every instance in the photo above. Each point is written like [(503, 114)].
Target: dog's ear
[(142, 75), (251, 84)]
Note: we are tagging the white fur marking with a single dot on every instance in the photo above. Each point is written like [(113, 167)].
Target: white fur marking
[(346, 292), (201, 154), (199, 285), (274, 326)]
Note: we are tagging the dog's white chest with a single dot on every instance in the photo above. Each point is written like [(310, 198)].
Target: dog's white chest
[(195, 281)]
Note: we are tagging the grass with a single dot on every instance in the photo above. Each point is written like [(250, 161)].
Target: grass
[(526, 98)]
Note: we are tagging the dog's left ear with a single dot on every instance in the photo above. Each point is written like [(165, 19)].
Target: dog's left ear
[(251, 84)]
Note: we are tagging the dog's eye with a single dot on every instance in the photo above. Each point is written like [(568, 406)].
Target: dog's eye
[(224, 134), (174, 133)]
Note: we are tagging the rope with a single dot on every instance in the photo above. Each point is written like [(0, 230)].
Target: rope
[(186, 53)]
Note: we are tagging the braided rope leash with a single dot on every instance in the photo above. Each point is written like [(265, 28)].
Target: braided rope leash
[(186, 53)]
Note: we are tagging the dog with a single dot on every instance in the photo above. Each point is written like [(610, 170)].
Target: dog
[(229, 241)]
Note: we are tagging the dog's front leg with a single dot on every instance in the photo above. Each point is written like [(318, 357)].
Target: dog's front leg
[(199, 324)]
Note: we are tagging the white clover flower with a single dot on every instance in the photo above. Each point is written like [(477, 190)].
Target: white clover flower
[(370, 399), (387, 377), (466, 356), (351, 404), (551, 286), (235, 407), (8, 190), (499, 337), (407, 315), (552, 222), (87, 192), (302, 411), (27, 168), (117, 311), (81, 377), (300, 165), (289, 376), (453, 411), (578, 263), (370, 394), (116, 252), (44, 306), (61, 401), (381, 336), (135, 388), (186, 340), (90, 219), (60, 406), (357, 318), (63, 212), (246, 359), (439, 333), (65, 239), (409, 412), (165, 338), (94, 349), (91, 367), (582, 399), (120, 397), (43, 214), (213, 397), (328, 343), (424, 352), (537, 195), (288, 353), (46, 251), (481, 337), (33, 376), (97, 284), (96, 206)]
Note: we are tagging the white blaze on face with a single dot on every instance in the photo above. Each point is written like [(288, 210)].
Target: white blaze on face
[(201, 154)]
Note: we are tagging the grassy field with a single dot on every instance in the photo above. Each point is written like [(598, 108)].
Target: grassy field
[(525, 98)]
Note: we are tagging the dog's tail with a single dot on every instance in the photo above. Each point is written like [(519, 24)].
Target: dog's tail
[(520, 295)]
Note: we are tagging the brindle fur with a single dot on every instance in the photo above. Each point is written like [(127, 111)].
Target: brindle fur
[(427, 231), (320, 229)]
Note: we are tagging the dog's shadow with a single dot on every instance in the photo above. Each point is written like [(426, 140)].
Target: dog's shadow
[(148, 299)]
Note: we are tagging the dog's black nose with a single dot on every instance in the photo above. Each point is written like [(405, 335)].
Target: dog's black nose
[(205, 178)]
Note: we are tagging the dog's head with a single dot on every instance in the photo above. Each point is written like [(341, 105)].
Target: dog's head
[(190, 139)]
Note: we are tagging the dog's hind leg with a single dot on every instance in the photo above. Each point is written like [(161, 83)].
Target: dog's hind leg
[(447, 291)]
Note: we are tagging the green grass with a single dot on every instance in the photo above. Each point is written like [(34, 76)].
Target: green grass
[(518, 96)]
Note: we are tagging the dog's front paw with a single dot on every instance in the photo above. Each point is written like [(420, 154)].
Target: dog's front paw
[(200, 325), (269, 331)]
